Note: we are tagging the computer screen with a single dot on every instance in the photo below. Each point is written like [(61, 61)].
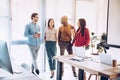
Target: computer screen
[(5, 62)]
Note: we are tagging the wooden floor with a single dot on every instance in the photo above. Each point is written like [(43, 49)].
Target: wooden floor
[(66, 76)]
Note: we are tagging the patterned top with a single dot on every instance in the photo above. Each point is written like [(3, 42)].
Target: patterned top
[(51, 34)]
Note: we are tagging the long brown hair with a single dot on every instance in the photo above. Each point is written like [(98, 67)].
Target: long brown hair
[(83, 25)]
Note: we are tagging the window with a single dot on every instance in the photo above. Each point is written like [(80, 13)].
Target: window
[(4, 20), (21, 15)]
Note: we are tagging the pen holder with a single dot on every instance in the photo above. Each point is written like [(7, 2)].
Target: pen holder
[(114, 62)]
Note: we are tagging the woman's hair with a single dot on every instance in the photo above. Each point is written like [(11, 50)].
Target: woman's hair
[(49, 22), (83, 25), (33, 15)]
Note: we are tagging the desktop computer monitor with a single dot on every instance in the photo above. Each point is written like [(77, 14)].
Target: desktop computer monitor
[(5, 62)]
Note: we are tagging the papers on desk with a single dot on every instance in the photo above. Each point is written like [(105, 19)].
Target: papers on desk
[(23, 78), (80, 59), (75, 58), (28, 78)]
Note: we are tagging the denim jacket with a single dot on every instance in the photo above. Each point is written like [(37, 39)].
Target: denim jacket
[(30, 30)]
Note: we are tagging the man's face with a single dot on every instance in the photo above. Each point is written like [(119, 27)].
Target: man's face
[(64, 20), (36, 18)]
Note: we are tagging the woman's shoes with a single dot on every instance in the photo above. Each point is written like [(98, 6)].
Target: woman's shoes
[(52, 74)]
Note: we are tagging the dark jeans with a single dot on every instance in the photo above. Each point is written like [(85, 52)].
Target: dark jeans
[(66, 45), (51, 51)]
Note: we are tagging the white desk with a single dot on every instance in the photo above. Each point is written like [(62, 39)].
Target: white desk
[(19, 74)]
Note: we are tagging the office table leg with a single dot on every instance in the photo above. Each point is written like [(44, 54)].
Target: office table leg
[(81, 74), (59, 70), (103, 78)]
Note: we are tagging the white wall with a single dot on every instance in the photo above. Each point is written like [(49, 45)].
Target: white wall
[(95, 13), (114, 27), (87, 9), (114, 22), (57, 8), (101, 16)]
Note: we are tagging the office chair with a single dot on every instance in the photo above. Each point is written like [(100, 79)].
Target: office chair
[(95, 75)]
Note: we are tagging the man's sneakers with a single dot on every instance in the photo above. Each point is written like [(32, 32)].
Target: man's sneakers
[(36, 70), (32, 69)]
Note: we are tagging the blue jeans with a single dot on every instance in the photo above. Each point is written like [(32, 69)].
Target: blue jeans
[(51, 52)]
